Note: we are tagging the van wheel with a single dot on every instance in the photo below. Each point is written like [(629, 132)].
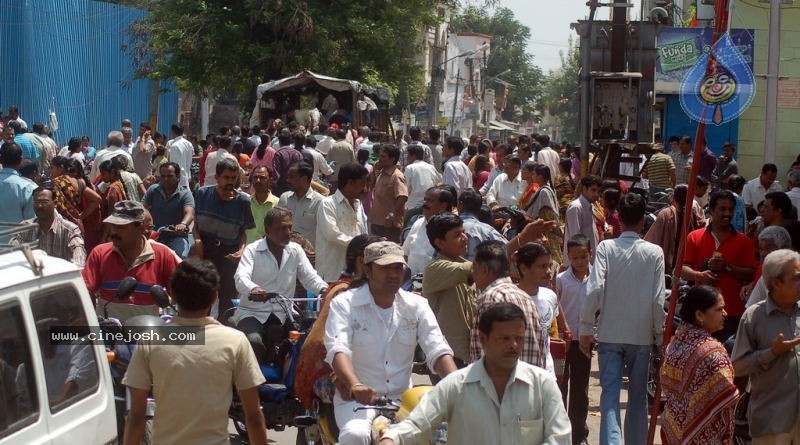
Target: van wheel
[(148, 432)]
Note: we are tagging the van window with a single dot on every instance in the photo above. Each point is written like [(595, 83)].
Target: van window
[(70, 366), (18, 397)]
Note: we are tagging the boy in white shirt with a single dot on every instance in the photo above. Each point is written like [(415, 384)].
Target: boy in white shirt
[(571, 290)]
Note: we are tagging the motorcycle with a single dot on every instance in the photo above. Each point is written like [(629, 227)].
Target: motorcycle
[(279, 404), (119, 354), (319, 426)]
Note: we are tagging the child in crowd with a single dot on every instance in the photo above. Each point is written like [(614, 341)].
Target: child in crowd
[(571, 291)]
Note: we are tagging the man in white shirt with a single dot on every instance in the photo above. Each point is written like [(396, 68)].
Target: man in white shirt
[(340, 218), (548, 156), (420, 176), (370, 336), (127, 140), (321, 167), (501, 151), (302, 200), (497, 400), (625, 336), (214, 157), (509, 186), (324, 139), (180, 151), (417, 247), (580, 218), (113, 149), (13, 115), (271, 265), (456, 172), (756, 189), (793, 187)]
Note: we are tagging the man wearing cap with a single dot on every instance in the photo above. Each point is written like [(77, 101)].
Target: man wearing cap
[(127, 255), (370, 337)]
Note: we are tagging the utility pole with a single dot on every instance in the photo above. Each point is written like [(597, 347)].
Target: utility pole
[(773, 73)]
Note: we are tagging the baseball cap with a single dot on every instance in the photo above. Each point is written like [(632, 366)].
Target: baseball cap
[(126, 212), (384, 253)]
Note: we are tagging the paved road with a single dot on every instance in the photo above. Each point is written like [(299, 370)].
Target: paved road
[(289, 436)]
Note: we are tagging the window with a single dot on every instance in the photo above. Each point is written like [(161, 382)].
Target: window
[(70, 366), (18, 397)]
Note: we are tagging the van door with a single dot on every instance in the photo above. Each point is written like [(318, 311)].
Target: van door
[(21, 419), (78, 384)]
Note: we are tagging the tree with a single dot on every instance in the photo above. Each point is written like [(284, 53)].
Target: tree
[(562, 96), (229, 46), (508, 52)]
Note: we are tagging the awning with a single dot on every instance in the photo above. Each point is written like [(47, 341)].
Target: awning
[(499, 126)]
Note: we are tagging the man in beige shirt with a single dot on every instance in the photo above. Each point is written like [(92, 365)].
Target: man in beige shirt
[(192, 382), (391, 193)]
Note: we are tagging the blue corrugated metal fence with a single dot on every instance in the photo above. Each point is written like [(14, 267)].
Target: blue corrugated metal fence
[(66, 56)]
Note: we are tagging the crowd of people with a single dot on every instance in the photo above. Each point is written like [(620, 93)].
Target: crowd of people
[(508, 314)]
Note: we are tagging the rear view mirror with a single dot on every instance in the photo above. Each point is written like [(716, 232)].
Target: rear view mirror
[(160, 296)]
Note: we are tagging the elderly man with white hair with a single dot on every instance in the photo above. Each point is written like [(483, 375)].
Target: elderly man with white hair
[(770, 239), (113, 149), (765, 350)]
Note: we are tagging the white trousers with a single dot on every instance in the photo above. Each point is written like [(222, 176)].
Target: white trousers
[(355, 427)]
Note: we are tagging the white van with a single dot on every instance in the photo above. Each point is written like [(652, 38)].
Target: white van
[(55, 394)]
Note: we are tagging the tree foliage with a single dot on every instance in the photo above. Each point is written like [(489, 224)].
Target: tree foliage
[(508, 52), (562, 92), (229, 46)]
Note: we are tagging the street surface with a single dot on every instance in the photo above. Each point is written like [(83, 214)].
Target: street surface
[(289, 436)]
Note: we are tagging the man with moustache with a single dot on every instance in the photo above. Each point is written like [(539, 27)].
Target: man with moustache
[(127, 255), (499, 399), (222, 217), (379, 320), (57, 236)]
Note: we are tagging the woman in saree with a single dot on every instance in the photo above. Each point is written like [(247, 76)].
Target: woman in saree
[(68, 193), (310, 364), (697, 375), (91, 201), (543, 204), (564, 187), (114, 188)]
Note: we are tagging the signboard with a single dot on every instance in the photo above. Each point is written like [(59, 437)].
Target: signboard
[(720, 85), (678, 55), (680, 48), (789, 93)]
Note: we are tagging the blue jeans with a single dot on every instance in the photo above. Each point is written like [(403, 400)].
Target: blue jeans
[(178, 244), (634, 361)]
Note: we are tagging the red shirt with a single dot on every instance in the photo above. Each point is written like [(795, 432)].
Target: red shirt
[(736, 249), (105, 268)]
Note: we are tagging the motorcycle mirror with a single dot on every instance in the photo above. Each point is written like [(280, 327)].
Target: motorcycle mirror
[(160, 296), (126, 288)]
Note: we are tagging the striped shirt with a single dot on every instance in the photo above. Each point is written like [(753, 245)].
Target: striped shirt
[(534, 349), (63, 240), (681, 162), (222, 221), (658, 169)]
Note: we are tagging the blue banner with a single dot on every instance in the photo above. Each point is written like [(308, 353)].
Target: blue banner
[(719, 86)]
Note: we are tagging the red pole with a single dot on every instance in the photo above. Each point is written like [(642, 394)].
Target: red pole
[(720, 27)]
